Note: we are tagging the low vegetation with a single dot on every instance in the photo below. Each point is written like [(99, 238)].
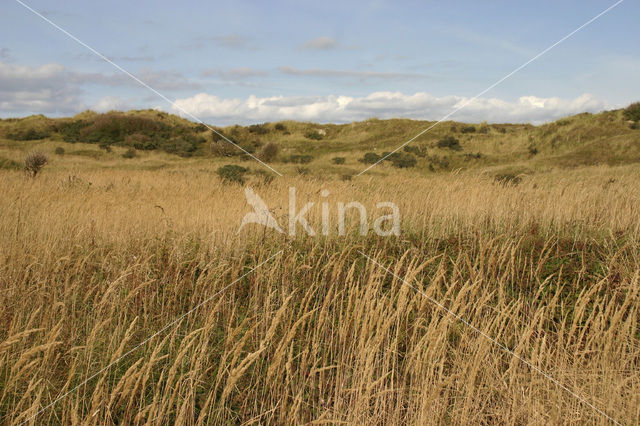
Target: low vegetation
[(128, 295)]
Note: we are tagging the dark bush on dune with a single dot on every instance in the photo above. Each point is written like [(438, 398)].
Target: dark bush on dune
[(449, 142), (370, 158), (232, 173), (632, 112), (29, 135), (403, 160)]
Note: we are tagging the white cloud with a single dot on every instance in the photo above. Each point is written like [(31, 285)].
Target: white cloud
[(234, 73), (53, 89), (43, 89), (359, 75), (320, 43), (340, 109), (110, 103)]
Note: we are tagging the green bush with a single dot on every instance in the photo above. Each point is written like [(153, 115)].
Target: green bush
[(59, 150), (418, 151), (313, 134), (632, 112), (280, 127), (338, 160), (29, 135), (467, 129), (370, 158), (232, 173), (449, 142), (259, 129), (403, 161)]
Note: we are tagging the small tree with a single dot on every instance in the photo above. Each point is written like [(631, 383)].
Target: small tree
[(34, 162), (269, 152)]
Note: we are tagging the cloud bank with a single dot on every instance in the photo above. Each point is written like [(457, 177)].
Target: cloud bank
[(341, 109)]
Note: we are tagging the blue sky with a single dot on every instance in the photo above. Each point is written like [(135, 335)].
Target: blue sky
[(242, 62)]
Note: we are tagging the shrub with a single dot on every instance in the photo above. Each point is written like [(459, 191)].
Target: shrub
[(313, 134), (59, 150), (418, 151), (632, 112), (259, 129), (403, 161), (338, 160), (370, 158), (29, 135), (184, 146), (34, 162), (232, 173), (280, 127), (449, 142), (130, 153), (223, 148), (269, 152), (533, 150), (467, 129)]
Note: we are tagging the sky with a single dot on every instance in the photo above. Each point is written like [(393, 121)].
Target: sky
[(228, 62)]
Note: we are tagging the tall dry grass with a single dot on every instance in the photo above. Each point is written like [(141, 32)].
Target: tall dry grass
[(90, 266)]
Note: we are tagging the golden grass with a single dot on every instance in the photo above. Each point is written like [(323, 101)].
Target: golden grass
[(92, 264)]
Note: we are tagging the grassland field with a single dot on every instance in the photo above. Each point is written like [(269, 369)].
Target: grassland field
[(529, 233)]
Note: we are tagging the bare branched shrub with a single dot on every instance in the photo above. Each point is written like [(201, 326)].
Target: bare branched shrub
[(34, 162), (269, 152)]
